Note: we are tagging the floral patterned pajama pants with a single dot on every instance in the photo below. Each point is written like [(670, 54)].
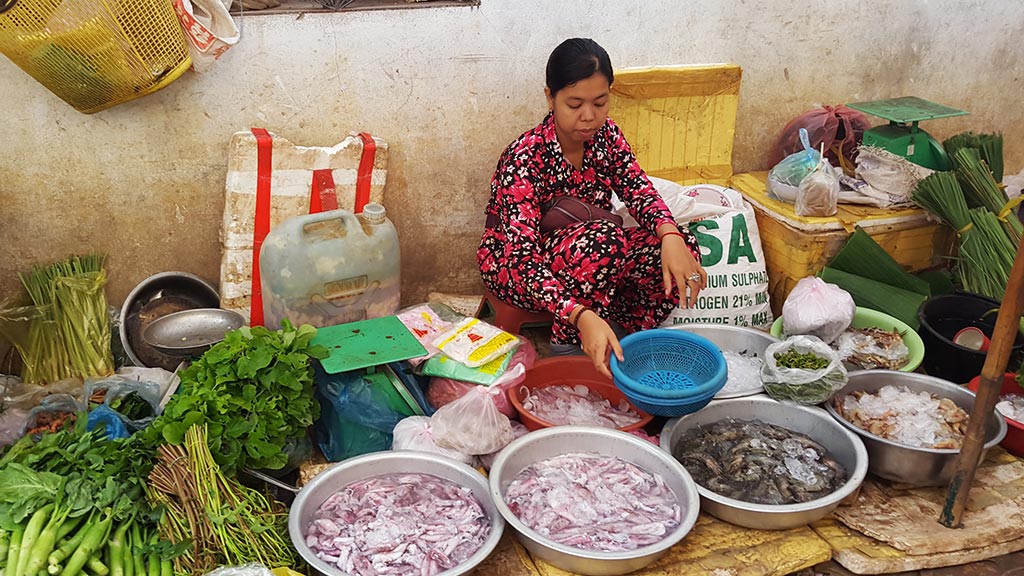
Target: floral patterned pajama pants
[(615, 271)]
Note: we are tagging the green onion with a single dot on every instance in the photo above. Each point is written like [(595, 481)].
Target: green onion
[(982, 190), (990, 146)]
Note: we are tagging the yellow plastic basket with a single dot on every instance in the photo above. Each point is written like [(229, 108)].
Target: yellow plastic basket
[(95, 54)]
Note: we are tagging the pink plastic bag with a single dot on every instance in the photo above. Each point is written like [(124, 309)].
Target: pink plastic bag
[(443, 391), (840, 128)]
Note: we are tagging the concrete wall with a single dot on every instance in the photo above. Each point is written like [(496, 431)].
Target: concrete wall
[(448, 88)]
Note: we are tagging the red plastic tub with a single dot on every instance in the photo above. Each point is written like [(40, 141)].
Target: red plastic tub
[(1014, 440), (569, 371)]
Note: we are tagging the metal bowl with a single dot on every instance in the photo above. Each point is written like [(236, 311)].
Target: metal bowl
[(191, 332), (908, 464), (746, 341), (153, 298), (815, 423), (313, 494), (550, 442)]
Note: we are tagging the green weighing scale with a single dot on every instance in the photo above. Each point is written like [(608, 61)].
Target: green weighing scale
[(372, 345), (901, 136)]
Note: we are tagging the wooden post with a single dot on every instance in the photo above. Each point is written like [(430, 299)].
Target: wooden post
[(1003, 336)]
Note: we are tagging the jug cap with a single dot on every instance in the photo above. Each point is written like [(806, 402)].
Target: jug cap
[(374, 213)]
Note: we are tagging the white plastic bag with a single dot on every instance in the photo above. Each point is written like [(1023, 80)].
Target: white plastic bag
[(472, 424), (209, 29), (804, 386), (415, 433), (817, 308)]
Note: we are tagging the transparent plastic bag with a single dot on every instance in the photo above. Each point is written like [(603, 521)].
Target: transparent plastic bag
[(138, 403), (474, 343), (424, 323), (872, 348), (792, 170), (472, 424), (415, 433), (487, 460), (252, 569), (818, 193), (817, 308), (801, 385), (51, 407), (442, 391)]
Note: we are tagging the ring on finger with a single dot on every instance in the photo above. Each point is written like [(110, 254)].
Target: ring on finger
[(695, 277)]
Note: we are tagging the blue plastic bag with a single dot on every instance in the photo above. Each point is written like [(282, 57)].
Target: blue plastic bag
[(103, 416), (118, 387), (785, 177), (355, 416)]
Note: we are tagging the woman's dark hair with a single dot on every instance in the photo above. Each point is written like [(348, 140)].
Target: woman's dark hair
[(574, 60)]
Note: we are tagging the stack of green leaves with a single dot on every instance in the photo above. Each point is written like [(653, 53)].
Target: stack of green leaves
[(875, 280), (254, 392), (69, 336)]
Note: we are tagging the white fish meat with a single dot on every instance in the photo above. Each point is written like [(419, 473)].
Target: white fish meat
[(594, 502), (563, 404), (398, 525)]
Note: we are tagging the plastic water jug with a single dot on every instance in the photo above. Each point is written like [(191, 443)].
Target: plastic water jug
[(331, 268)]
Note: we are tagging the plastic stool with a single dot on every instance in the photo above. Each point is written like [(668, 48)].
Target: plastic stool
[(510, 318)]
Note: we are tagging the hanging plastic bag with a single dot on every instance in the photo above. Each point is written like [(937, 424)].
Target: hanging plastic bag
[(802, 369), (472, 424), (442, 391), (415, 433), (209, 29), (817, 308), (818, 192)]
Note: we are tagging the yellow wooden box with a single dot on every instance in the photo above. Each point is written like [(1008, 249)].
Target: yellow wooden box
[(796, 246), (681, 123), (680, 120)]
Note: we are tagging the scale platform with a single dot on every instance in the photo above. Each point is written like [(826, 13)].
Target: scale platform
[(906, 109), (366, 343), (905, 140)]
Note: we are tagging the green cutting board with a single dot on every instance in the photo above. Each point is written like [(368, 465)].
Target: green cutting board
[(367, 343)]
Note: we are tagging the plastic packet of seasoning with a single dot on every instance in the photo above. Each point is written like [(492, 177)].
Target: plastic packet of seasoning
[(424, 324), (475, 343)]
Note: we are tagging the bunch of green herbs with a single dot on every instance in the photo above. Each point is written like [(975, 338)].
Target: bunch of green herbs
[(803, 361), (253, 391)]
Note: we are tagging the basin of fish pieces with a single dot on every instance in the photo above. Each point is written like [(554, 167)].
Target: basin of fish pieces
[(842, 449), (591, 472), (891, 455), (462, 494)]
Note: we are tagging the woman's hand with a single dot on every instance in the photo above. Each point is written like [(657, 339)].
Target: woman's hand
[(598, 340), (679, 265)]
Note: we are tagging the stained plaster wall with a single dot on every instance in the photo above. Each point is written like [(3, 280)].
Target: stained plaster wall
[(448, 88)]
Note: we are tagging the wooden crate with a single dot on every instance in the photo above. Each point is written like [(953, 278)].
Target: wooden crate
[(795, 247)]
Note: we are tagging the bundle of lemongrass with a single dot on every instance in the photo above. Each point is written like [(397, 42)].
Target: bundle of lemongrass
[(69, 336), (971, 202)]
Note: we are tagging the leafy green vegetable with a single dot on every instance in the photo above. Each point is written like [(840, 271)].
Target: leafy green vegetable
[(132, 406), (254, 392), (807, 361)]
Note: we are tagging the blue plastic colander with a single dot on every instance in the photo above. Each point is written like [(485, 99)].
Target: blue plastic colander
[(669, 365)]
